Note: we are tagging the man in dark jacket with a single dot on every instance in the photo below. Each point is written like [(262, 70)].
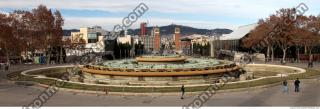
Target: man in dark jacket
[(182, 91), (296, 85)]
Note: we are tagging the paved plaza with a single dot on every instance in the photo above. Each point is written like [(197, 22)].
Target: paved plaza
[(16, 95)]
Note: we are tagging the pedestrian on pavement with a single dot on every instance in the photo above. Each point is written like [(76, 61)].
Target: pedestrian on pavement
[(106, 90), (182, 91), (296, 85), (6, 67), (309, 64), (285, 86)]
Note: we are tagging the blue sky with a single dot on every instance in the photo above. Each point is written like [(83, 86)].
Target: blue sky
[(207, 14)]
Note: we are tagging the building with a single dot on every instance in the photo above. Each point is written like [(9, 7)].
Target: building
[(228, 43), (143, 29), (148, 43), (177, 38), (167, 42), (199, 39), (152, 42), (186, 46), (232, 41), (89, 35), (156, 33), (125, 38), (92, 37)]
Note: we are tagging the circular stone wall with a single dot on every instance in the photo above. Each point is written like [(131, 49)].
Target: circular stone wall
[(161, 84)]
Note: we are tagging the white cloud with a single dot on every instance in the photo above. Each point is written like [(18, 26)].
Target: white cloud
[(238, 8), (110, 5), (230, 9), (108, 23)]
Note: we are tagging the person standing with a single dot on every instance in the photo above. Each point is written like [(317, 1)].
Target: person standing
[(296, 85), (285, 86), (6, 67), (182, 91)]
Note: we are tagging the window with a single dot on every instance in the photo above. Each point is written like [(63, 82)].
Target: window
[(92, 40), (92, 37)]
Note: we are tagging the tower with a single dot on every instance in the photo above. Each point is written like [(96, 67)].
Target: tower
[(143, 29), (156, 31), (143, 35), (177, 38)]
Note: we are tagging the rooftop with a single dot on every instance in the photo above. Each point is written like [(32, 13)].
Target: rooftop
[(239, 33)]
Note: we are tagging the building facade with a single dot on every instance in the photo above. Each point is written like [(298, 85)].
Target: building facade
[(157, 40), (177, 38), (143, 29), (152, 43), (92, 37), (185, 46)]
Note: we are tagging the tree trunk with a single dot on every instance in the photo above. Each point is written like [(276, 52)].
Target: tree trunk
[(120, 54), (125, 53), (60, 56), (268, 54), (272, 53), (310, 49), (305, 49), (298, 54), (310, 55), (48, 57), (284, 54), (7, 53), (47, 45)]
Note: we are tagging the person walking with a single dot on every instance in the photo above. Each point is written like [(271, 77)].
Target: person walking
[(6, 67), (285, 86), (296, 85), (182, 91)]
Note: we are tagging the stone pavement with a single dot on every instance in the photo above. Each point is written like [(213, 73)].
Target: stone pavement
[(15, 95), (309, 96)]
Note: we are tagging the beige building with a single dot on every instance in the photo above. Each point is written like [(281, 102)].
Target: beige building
[(92, 37), (199, 39), (88, 34), (125, 39)]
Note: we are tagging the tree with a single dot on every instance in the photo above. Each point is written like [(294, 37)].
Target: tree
[(261, 34), (287, 27), (280, 29), (313, 26), (36, 30), (58, 33), (6, 36)]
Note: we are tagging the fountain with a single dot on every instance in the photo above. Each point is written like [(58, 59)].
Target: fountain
[(159, 70)]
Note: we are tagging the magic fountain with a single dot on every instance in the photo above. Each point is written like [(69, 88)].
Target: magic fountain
[(159, 70)]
